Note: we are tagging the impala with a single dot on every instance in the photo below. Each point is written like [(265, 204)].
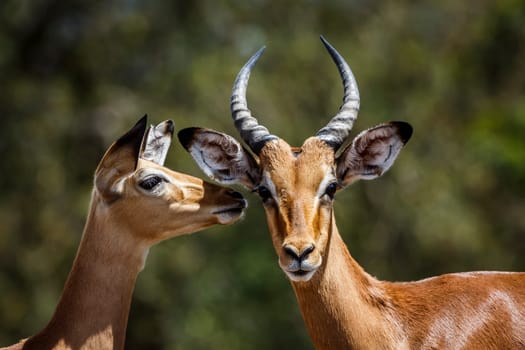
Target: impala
[(136, 202), (343, 306)]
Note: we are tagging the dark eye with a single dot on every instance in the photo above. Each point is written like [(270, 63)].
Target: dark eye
[(150, 182), (263, 192), (331, 189)]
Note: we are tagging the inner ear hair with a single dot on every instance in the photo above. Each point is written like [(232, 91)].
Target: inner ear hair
[(220, 156), (157, 141)]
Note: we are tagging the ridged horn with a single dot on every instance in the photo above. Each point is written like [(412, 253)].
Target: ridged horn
[(254, 134), (337, 130)]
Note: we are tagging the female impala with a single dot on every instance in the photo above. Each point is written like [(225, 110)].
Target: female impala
[(136, 202), (342, 305)]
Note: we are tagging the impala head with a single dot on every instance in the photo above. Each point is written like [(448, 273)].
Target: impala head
[(138, 192), (297, 184)]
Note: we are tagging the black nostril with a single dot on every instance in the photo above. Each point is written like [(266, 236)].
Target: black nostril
[(236, 194), (306, 252), (291, 252)]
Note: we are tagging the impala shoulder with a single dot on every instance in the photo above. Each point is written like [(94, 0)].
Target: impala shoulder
[(460, 286)]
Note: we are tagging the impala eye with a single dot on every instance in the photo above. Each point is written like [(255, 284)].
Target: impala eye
[(150, 182), (264, 192), (331, 189)]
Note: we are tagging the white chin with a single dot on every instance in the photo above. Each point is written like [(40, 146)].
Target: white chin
[(229, 217), (303, 277)]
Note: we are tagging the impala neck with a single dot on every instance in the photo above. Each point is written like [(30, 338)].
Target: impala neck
[(93, 310), (344, 307)]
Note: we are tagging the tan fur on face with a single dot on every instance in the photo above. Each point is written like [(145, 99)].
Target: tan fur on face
[(183, 204), (297, 216)]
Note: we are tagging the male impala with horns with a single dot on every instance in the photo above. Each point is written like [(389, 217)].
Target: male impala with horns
[(343, 306)]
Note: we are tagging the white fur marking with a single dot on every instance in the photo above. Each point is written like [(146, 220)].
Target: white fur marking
[(328, 178), (453, 332), (268, 183)]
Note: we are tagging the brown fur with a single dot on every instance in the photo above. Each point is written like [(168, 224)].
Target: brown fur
[(340, 302), (345, 308)]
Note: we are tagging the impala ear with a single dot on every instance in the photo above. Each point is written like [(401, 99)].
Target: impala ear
[(119, 160), (221, 157), (157, 142), (372, 152)]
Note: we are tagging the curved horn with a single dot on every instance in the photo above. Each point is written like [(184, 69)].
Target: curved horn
[(252, 133), (336, 131)]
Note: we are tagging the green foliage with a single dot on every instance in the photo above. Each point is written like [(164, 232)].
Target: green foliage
[(74, 75)]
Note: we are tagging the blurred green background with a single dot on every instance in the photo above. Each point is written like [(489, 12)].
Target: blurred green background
[(75, 75)]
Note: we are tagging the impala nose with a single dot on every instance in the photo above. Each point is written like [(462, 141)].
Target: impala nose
[(297, 254), (239, 198), (235, 194)]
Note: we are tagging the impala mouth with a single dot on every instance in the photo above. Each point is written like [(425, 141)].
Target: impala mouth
[(300, 275), (300, 271), (231, 214)]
